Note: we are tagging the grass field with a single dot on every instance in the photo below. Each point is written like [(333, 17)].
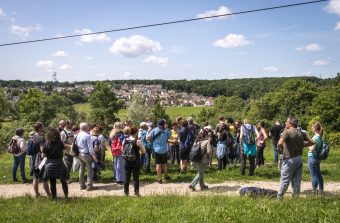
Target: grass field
[(171, 209), (173, 112)]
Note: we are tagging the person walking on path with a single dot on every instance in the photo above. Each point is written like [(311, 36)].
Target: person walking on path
[(291, 144), (20, 156), (314, 159)]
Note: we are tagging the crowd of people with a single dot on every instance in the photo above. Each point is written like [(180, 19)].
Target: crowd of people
[(55, 152)]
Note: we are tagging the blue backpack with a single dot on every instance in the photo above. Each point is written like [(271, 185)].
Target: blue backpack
[(145, 142)]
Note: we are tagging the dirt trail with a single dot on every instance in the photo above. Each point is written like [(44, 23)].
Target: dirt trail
[(228, 188)]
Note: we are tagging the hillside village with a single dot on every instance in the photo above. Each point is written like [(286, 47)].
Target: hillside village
[(151, 93)]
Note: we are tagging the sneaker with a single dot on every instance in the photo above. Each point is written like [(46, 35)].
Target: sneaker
[(205, 187), (126, 193), (137, 194), (192, 187), (120, 182), (160, 181), (89, 188)]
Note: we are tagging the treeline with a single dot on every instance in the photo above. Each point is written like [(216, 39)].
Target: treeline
[(247, 88)]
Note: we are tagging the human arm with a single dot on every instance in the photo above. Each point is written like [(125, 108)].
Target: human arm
[(280, 145), (90, 147), (309, 142)]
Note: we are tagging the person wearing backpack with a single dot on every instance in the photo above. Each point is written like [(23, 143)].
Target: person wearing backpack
[(261, 144), (67, 138), (199, 155), (314, 159), (132, 150), (18, 150), (145, 130), (185, 138), (96, 166), (248, 136), (222, 132), (117, 137), (174, 145)]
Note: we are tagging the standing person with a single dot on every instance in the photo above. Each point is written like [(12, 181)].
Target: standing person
[(314, 160), (61, 125), (67, 138), (102, 141), (185, 139), (222, 152), (213, 143), (238, 125), (54, 166), (205, 147), (33, 148), (76, 161), (86, 155), (248, 136), (97, 150), (275, 132), (174, 145), (132, 166), (261, 144), (291, 144), (159, 137), (19, 157), (117, 138), (147, 146)]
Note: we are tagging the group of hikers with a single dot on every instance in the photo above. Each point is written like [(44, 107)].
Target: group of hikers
[(55, 152)]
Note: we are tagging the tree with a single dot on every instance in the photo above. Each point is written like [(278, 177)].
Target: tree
[(104, 105), (159, 112), (137, 111), (4, 105)]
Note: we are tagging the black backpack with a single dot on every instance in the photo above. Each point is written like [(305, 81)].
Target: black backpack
[(249, 135), (129, 152), (196, 154), (323, 154)]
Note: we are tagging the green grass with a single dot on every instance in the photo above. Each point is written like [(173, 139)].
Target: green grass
[(173, 112), (171, 209), (329, 168)]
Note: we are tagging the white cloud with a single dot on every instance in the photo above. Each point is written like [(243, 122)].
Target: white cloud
[(24, 32), (220, 11), (157, 60), (99, 38), (65, 67), (89, 58), (101, 75), (2, 13), (135, 46), (321, 62), (45, 64), (271, 69), (337, 26), (60, 54), (333, 7), (127, 75), (310, 47), (232, 40)]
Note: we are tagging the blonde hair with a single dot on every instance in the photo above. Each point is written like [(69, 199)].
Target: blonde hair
[(245, 121), (318, 128)]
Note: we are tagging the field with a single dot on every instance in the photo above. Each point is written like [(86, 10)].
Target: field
[(173, 112)]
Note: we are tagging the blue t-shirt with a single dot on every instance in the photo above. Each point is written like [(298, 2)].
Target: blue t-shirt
[(160, 144), (318, 146)]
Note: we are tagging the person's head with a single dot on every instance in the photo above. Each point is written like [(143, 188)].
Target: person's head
[(206, 123), (185, 123), (126, 130), (143, 125), (230, 120), (161, 123), (190, 120), (277, 122), (19, 132), (84, 127), (238, 123), (95, 131), (39, 127), (175, 125), (291, 123), (317, 128), (118, 125), (31, 134), (245, 121), (75, 128), (62, 124), (52, 135), (179, 119), (100, 129), (133, 131), (207, 128), (221, 118), (262, 124), (68, 124)]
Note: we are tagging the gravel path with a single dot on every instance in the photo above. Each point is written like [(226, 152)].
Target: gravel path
[(228, 188)]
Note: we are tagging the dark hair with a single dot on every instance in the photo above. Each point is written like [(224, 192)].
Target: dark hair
[(75, 128), (68, 122), (133, 131), (221, 118), (185, 123), (206, 123), (174, 124), (294, 122), (230, 120), (52, 135), (19, 132), (37, 126), (100, 128), (262, 124)]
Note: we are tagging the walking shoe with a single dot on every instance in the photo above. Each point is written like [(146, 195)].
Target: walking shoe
[(192, 187), (160, 181), (89, 188), (205, 187), (137, 194), (120, 182), (82, 187)]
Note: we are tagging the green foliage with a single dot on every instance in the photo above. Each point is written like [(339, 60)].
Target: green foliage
[(137, 110), (104, 105), (159, 112), (229, 104), (4, 105)]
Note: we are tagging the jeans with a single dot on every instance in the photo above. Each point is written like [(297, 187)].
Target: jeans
[(118, 168), (291, 171), (222, 163), (68, 160), (275, 153), (85, 162), (315, 172), (148, 154), (174, 154), (19, 160), (259, 155), (133, 168), (244, 164), (200, 175)]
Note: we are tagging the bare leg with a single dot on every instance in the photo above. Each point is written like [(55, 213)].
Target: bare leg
[(165, 169), (36, 187), (159, 171), (47, 189)]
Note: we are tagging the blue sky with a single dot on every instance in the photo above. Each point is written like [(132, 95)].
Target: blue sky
[(299, 41)]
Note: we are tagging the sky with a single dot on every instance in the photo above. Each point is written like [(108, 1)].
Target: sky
[(297, 41)]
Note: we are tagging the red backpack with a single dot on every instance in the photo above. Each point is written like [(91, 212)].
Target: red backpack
[(13, 146), (116, 145)]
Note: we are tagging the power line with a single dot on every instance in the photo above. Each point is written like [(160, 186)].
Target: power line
[(163, 23)]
